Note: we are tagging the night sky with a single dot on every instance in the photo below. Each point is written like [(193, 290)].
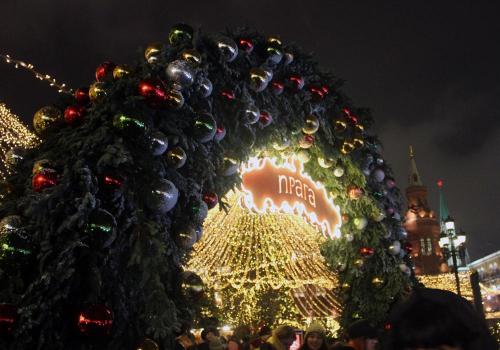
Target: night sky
[(430, 70)]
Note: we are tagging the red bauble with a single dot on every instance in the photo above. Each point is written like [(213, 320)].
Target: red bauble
[(354, 192), (153, 90), (105, 71), (366, 251), (277, 87), (82, 95), (8, 317), (74, 114), (211, 199), (228, 94), (296, 82), (318, 92), (246, 45), (95, 320), (265, 118), (112, 182), (408, 247), (44, 179), (220, 133)]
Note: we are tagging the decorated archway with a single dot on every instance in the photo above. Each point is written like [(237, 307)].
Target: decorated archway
[(110, 203)]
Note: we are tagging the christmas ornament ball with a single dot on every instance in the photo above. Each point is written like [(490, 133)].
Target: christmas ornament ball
[(163, 196), (8, 318), (338, 172), (311, 124), (230, 166), (192, 57), (45, 118), (104, 71), (258, 79), (360, 222), (186, 237), (121, 71), (180, 74), (95, 320), (228, 49), (176, 157), (326, 163), (211, 199), (153, 52), (204, 127), (192, 285), (204, 87), (378, 175), (14, 156), (180, 34), (148, 344), (265, 119), (395, 248), (97, 92), (44, 179), (82, 95), (158, 143), (73, 115), (250, 115)]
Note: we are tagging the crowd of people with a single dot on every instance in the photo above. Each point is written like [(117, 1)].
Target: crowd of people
[(429, 319)]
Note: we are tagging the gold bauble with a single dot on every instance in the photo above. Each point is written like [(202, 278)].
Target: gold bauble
[(347, 147), (359, 262), (274, 40), (40, 165), (148, 344), (303, 156), (46, 117), (311, 124), (191, 56), (96, 91), (176, 157), (153, 52), (325, 162), (174, 99), (346, 286), (377, 281), (121, 71), (358, 142), (340, 125)]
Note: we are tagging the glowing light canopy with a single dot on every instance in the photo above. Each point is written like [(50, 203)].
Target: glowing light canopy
[(269, 187)]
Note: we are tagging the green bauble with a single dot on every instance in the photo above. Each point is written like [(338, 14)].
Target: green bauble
[(204, 127), (180, 34)]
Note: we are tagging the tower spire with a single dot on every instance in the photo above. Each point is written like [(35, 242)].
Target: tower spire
[(443, 208), (414, 177)]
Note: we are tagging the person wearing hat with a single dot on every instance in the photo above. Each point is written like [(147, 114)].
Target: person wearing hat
[(362, 336), (281, 339), (437, 319), (215, 344), (314, 338)]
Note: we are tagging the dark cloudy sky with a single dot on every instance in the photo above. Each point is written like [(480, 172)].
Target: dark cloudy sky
[(429, 69)]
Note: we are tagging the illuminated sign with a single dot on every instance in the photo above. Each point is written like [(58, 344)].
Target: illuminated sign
[(268, 187)]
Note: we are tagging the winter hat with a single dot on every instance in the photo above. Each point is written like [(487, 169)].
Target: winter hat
[(315, 327), (215, 344)]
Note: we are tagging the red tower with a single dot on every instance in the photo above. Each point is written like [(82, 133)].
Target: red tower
[(422, 226)]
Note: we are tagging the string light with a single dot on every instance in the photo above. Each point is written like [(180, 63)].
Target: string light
[(446, 281), (13, 133), (245, 256), (61, 87)]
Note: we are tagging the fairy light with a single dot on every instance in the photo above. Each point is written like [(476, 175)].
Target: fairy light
[(13, 133), (244, 255), (446, 281), (61, 87)]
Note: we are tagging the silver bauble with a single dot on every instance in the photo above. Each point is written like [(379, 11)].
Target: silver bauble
[(163, 196), (227, 47), (158, 143), (180, 73)]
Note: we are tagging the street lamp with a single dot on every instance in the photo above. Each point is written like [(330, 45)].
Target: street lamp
[(452, 240)]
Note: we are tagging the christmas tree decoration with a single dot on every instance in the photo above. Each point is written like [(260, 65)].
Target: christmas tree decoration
[(230, 166), (174, 99), (153, 91), (360, 223), (101, 228), (11, 225), (265, 119), (176, 157), (340, 125), (8, 318), (377, 281), (250, 115), (277, 87), (394, 248), (220, 133), (347, 147), (296, 82), (153, 52), (97, 92), (45, 179), (354, 192), (326, 163), (228, 94), (311, 124), (303, 156), (95, 320), (288, 58), (112, 182), (45, 118), (204, 127), (338, 171), (14, 156), (204, 87), (408, 247), (228, 49), (198, 210), (274, 52), (258, 79), (378, 175), (158, 143), (318, 93), (211, 199), (163, 196), (282, 145), (148, 344), (192, 285), (121, 71), (129, 125), (307, 141), (180, 34), (192, 57), (349, 237), (359, 263), (82, 96), (366, 252), (186, 238), (105, 71), (390, 183), (246, 45), (40, 165), (73, 115), (180, 74)]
